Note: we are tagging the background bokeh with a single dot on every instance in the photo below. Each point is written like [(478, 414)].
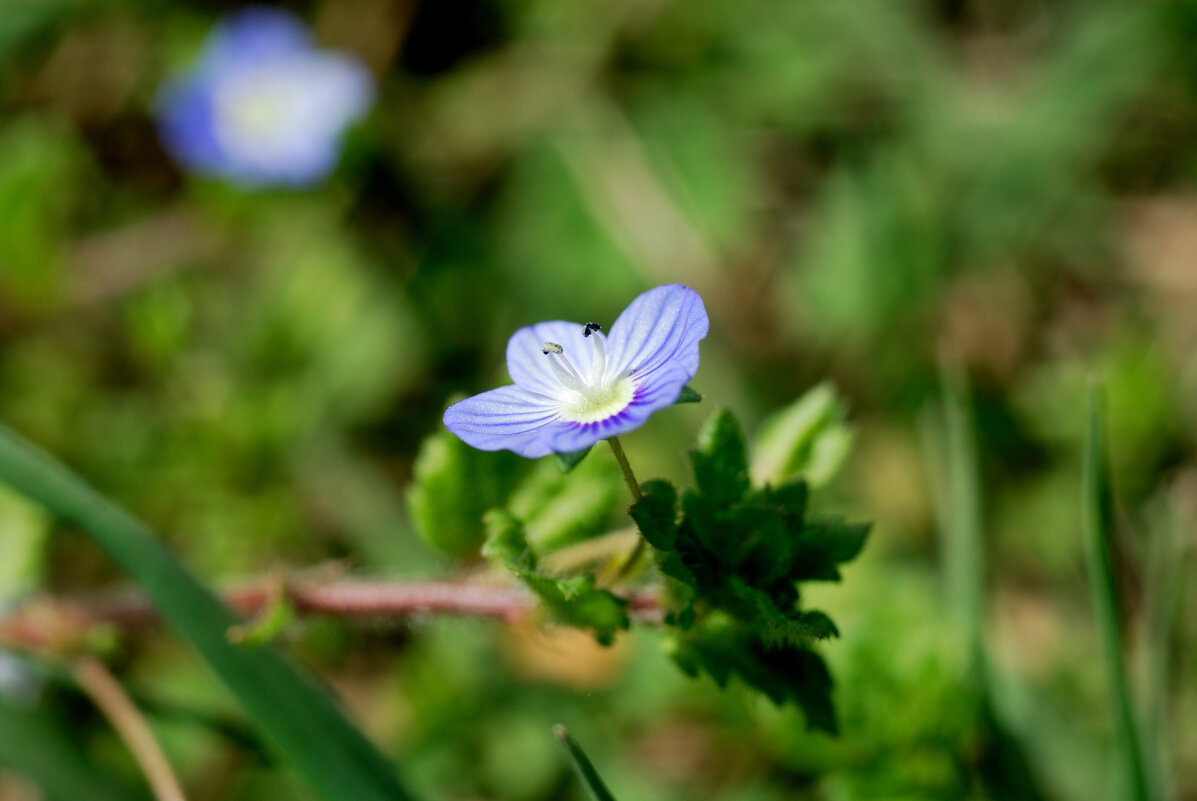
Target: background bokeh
[(870, 192)]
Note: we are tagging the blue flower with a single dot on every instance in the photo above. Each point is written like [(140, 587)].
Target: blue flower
[(263, 106), (574, 386)]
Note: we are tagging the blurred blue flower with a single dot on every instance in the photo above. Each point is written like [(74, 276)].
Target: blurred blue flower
[(263, 105), (574, 386)]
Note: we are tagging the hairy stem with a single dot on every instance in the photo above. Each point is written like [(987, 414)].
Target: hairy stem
[(107, 694), (634, 556), (628, 475), (55, 625)]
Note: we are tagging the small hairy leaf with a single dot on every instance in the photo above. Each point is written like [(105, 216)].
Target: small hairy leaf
[(824, 545), (506, 543), (721, 460), (453, 485), (656, 514), (783, 672), (574, 601)]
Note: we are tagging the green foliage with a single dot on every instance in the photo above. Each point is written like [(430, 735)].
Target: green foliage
[(44, 748), (737, 553), (300, 721), (574, 600), (559, 509), (453, 486), (721, 648), (807, 439)]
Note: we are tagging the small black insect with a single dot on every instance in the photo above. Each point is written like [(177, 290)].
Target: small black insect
[(590, 328)]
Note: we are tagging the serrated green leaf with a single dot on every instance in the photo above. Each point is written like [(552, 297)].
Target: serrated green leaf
[(807, 439), (656, 514), (453, 485), (784, 673), (688, 395), (721, 460), (568, 461), (583, 767), (296, 717), (506, 542), (774, 624), (825, 544), (574, 601)]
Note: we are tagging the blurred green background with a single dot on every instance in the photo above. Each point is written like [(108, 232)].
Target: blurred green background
[(863, 191)]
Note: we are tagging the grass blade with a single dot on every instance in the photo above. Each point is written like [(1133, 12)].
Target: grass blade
[(295, 717), (586, 772), (1098, 506)]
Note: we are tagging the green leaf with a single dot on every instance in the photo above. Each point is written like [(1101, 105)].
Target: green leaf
[(720, 461), (688, 395), (1099, 541), (775, 625), (296, 718), (784, 673), (656, 514), (574, 601), (45, 749), (568, 461), (562, 509), (506, 543), (453, 486), (824, 545), (583, 767), (807, 439)]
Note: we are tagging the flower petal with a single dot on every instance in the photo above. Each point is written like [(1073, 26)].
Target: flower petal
[(653, 393), (659, 329), (528, 365), (505, 418)]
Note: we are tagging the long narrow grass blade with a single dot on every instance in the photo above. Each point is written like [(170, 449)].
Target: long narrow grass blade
[(586, 772), (1099, 532), (950, 446), (296, 718), (36, 745)]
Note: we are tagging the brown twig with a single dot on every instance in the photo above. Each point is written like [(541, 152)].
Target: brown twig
[(53, 624), (107, 694)]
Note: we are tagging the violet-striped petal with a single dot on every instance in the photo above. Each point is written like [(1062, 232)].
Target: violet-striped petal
[(661, 328), (508, 417)]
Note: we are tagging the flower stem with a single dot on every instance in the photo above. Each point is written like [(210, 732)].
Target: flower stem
[(628, 475), (634, 485)]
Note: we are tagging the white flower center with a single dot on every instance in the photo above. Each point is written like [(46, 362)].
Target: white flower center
[(588, 395)]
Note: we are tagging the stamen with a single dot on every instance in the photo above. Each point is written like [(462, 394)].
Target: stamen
[(561, 367), (590, 328)]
